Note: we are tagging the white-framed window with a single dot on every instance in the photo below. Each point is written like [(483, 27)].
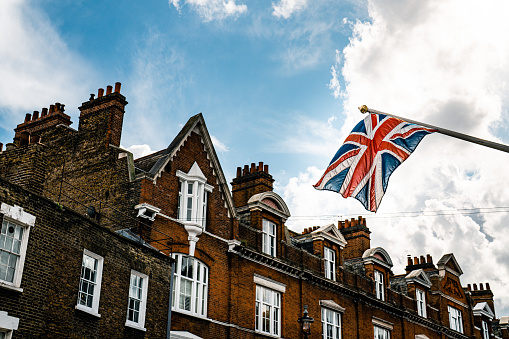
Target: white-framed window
[(14, 233), (379, 285), (137, 301), (193, 191), (485, 330), (90, 283), (330, 263), (8, 325), (421, 302), (331, 324), (190, 285), (268, 311), (381, 333), (455, 319), (269, 238)]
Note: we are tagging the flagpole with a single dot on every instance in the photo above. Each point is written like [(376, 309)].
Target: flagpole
[(457, 135)]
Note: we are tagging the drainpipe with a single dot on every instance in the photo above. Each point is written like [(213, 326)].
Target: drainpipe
[(170, 301)]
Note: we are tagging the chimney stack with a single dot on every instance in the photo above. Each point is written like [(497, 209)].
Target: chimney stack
[(250, 181)]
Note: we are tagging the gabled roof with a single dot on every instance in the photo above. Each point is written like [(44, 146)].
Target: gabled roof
[(155, 163), (328, 232), (448, 262), (418, 277), (483, 308)]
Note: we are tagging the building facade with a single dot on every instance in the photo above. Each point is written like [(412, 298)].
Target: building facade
[(239, 271)]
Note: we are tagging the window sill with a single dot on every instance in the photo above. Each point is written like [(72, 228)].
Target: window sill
[(11, 287), (87, 310), (267, 334), (135, 326)]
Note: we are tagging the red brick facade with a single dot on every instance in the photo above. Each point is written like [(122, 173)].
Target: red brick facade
[(240, 273)]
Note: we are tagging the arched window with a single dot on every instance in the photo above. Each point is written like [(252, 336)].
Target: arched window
[(190, 285)]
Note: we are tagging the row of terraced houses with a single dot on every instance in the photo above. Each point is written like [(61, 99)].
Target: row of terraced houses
[(96, 244)]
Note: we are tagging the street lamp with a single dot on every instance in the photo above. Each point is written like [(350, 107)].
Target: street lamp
[(305, 321)]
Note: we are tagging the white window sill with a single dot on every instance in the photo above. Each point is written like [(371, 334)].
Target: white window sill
[(267, 334), (11, 287), (190, 314), (87, 310), (135, 326)]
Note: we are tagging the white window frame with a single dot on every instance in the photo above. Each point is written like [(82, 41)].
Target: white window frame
[(333, 322), (8, 324), (96, 296), (420, 297), (269, 236), (140, 324), (485, 330), (197, 196), (455, 319), (329, 256), (381, 332), (379, 285), (18, 217), (272, 306), (197, 283)]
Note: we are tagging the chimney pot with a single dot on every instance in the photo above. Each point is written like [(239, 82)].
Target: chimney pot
[(51, 108), (487, 284), (253, 169), (416, 261), (1, 147), (246, 170), (429, 259), (100, 92), (44, 112), (469, 287), (481, 286), (266, 169), (35, 116), (117, 87), (109, 89), (24, 139), (423, 260), (260, 166), (475, 287), (409, 260), (239, 172), (347, 223), (10, 146), (92, 96), (57, 106), (28, 117)]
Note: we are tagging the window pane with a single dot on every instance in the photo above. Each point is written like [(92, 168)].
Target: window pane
[(190, 285)]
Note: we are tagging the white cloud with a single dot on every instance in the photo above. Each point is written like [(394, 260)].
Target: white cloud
[(218, 145), (36, 66), (139, 151), (286, 8), (213, 9), (444, 63)]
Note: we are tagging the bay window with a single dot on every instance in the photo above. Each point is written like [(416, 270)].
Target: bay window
[(190, 286), (192, 200)]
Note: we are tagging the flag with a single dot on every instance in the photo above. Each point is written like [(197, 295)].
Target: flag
[(374, 149)]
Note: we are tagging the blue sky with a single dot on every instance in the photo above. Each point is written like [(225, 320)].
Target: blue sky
[(280, 81)]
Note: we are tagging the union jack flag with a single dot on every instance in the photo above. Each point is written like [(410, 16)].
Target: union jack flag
[(374, 149)]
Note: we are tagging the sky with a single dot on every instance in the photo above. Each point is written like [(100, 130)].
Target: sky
[(280, 82)]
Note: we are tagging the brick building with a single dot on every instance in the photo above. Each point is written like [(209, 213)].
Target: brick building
[(239, 271)]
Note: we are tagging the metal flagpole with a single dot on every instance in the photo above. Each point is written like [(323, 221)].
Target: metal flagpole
[(469, 138)]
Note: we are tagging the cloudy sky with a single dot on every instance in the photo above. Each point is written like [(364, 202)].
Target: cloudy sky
[(280, 82)]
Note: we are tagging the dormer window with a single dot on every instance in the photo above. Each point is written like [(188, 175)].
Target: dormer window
[(379, 285), (330, 263), (193, 191), (421, 302), (269, 238)]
